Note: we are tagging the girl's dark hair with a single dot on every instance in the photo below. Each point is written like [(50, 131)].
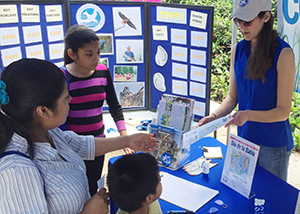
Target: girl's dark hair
[(261, 58), (29, 83), (77, 37)]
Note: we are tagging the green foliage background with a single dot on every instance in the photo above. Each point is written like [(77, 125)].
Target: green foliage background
[(221, 48)]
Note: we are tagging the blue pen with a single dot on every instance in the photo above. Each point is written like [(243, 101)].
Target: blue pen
[(180, 211)]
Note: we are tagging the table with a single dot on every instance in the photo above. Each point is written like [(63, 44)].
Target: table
[(280, 197)]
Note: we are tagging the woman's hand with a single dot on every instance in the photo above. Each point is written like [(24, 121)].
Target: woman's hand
[(126, 150), (143, 142), (239, 118), (98, 204), (207, 119)]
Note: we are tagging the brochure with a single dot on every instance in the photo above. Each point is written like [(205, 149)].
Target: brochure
[(239, 165), (176, 112), (200, 132)]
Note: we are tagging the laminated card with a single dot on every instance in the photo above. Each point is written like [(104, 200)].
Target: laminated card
[(239, 165)]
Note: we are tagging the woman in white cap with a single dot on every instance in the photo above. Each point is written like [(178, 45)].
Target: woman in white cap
[(261, 83)]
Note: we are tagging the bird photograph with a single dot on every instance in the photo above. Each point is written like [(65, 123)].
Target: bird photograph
[(125, 21)]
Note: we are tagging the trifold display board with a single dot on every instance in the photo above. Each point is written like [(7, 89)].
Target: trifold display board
[(150, 48), (29, 29)]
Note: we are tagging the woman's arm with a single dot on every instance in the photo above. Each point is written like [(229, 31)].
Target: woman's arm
[(137, 142), (285, 88)]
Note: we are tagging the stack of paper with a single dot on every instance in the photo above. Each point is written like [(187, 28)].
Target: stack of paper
[(212, 152), (176, 112)]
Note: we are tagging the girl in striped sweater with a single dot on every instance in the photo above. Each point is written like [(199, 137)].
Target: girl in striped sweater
[(89, 85)]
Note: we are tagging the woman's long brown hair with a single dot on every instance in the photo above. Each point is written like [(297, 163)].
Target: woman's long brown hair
[(261, 58)]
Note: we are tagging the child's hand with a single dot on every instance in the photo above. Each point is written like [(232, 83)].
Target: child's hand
[(98, 204), (128, 151)]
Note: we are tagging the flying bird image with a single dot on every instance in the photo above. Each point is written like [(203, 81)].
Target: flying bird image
[(125, 21), (90, 18)]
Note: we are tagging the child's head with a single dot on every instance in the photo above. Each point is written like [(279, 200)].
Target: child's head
[(133, 181), (77, 37)]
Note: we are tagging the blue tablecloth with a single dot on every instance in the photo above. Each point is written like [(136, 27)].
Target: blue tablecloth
[(280, 197)]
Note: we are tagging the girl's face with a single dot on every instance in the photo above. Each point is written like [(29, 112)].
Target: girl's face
[(88, 57)]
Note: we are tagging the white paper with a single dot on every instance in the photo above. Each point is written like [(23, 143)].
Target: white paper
[(56, 51), (185, 194), (36, 51), (198, 20), (55, 33), (160, 32), (199, 108), (32, 34), (199, 39), (171, 15), (178, 112), (179, 53), (101, 182), (8, 14), (200, 132), (10, 55), (179, 87), (178, 36), (197, 89), (30, 13), (213, 152), (198, 57), (239, 165), (59, 64), (198, 74), (53, 13), (9, 36), (179, 70)]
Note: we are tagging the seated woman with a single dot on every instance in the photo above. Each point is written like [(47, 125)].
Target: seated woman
[(41, 167)]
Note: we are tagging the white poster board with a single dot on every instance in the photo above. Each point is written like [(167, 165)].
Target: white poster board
[(239, 165)]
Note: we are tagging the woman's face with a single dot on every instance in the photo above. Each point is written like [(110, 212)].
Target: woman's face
[(251, 32), (62, 109)]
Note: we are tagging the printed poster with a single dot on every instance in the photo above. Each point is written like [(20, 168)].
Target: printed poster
[(239, 165)]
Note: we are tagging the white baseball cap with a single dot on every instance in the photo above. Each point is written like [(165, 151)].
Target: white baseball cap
[(247, 10)]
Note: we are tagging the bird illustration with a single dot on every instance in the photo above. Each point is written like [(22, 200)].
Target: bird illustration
[(90, 18), (125, 21)]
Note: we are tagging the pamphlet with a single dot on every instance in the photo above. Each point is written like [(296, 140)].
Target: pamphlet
[(239, 165), (200, 132), (176, 112)]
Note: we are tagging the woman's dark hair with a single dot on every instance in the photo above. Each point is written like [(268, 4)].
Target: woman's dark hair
[(261, 58), (77, 37), (29, 83)]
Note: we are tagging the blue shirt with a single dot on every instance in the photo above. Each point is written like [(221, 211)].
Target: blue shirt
[(128, 56), (22, 181), (258, 96)]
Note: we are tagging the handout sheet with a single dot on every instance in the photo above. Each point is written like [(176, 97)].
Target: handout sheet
[(185, 194)]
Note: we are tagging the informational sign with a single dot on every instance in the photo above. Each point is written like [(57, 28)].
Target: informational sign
[(288, 25), (30, 13), (9, 36), (239, 165), (8, 14)]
